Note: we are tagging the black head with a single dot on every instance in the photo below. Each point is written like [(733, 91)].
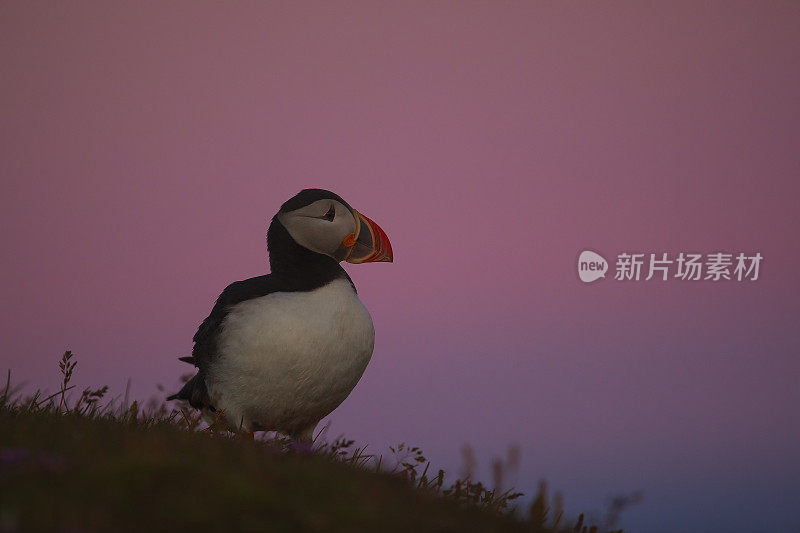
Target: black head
[(322, 222), (309, 196)]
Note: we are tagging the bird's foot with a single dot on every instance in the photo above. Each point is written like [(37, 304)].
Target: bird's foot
[(301, 446)]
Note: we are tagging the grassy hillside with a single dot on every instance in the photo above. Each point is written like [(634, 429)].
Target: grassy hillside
[(76, 466)]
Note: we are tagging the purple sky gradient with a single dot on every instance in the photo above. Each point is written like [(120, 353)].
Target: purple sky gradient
[(144, 148)]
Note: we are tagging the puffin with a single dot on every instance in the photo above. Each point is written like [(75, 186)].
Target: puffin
[(280, 352)]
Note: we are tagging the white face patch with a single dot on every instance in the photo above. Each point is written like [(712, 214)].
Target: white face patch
[(311, 227)]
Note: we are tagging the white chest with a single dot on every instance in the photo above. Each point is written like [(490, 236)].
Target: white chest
[(290, 358)]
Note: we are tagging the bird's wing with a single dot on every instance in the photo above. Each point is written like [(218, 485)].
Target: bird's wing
[(205, 340)]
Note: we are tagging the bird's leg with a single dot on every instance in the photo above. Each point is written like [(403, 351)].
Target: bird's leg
[(302, 440), (245, 430), (306, 434)]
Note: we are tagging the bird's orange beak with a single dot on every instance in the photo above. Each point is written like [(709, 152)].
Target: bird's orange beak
[(369, 243)]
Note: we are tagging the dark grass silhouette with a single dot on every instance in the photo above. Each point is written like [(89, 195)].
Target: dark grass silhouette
[(77, 464)]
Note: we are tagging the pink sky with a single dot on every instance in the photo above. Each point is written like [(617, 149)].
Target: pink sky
[(144, 149)]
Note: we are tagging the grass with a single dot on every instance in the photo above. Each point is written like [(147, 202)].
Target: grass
[(88, 464)]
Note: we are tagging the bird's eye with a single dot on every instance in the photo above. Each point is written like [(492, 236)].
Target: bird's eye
[(330, 214)]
